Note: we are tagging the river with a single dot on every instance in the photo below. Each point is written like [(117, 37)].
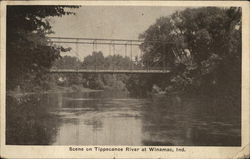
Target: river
[(114, 118)]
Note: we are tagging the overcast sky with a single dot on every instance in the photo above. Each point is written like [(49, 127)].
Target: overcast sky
[(125, 22)]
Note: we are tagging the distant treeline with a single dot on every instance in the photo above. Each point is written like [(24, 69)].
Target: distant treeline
[(93, 81), (96, 61)]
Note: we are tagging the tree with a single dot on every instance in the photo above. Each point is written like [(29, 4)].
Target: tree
[(29, 52), (67, 62), (156, 53), (110, 62), (97, 60), (213, 36), (94, 60), (211, 39)]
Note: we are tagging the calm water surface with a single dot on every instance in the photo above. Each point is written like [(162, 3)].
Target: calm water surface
[(113, 118)]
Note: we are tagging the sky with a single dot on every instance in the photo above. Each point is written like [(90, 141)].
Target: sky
[(118, 22)]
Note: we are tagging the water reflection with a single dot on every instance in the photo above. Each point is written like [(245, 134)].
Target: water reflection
[(190, 123), (113, 118), (29, 122)]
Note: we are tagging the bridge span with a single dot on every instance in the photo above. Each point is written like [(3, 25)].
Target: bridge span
[(139, 62)]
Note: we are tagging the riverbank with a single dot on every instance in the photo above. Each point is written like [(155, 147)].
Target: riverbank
[(56, 89)]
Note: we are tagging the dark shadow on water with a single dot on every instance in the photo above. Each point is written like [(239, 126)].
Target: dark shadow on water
[(190, 122), (28, 122)]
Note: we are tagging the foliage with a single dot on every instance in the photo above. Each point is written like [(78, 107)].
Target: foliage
[(67, 62), (207, 50), (157, 53), (97, 60), (94, 61), (28, 121), (29, 52)]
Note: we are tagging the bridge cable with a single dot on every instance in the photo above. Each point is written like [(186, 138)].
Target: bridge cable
[(140, 57), (137, 57), (96, 46), (125, 54), (96, 50), (113, 56), (131, 51), (110, 48), (77, 55), (93, 53), (126, 50)]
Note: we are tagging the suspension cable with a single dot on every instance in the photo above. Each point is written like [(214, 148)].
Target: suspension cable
[(125, 50), (77, 55), (110, 48), (93, 52), (113, 57), (131, 49)]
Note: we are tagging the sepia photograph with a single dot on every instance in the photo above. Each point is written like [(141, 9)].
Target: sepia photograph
[(153, 76)]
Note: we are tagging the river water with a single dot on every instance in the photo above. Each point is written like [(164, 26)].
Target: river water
[(114, 118)]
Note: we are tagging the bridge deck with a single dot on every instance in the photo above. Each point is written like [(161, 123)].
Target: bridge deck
[(109, 71)]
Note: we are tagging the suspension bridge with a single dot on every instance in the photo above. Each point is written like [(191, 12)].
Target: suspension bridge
[(128, 48)]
